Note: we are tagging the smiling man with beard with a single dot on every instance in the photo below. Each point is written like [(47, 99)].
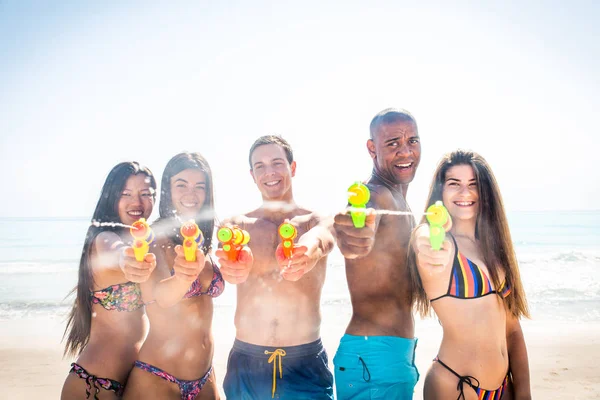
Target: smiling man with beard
[(278, 351), (375, 358)]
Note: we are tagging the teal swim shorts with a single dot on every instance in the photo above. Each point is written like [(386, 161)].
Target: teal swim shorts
[(375, 367)]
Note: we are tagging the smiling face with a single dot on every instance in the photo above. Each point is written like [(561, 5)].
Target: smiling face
[(137, 199), (272, 172), (396, 151), (188, 192), (461, 194)]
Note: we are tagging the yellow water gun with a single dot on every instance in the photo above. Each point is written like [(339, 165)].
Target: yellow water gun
[(143, 236), (192, 238)]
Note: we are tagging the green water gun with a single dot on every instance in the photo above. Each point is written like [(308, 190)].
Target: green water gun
[(437, 216), (358, 197)]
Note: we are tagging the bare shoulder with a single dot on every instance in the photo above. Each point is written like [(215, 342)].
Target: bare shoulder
[(381, 197), (106, 241)]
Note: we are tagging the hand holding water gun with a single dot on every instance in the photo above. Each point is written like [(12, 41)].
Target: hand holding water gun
[(192, 239), (296, 259), (143, 236), (433, 250), (135, 261), (185, 268), (235, 258), (355, 231)]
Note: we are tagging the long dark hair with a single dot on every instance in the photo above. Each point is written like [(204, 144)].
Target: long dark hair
[(491, 229), (79, 321), (205, 218)]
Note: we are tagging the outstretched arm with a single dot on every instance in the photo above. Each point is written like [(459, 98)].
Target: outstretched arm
[(355, 242), (111, 255), (518, 359), (311, 247)]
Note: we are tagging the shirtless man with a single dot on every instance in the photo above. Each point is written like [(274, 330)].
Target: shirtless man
[(375, 358), (278, 352)]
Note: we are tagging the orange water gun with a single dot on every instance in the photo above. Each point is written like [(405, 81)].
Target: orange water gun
[(233, 239), (192, 238), (437, 216), (287, 233), (142, 237)]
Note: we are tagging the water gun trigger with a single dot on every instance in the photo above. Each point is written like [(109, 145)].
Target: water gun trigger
[(358, 197), (287, 232), (143, 236), (192, 238), (437, 216)]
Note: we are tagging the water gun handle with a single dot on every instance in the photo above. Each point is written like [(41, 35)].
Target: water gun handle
[(287, 233), (358, 197), (192, 238), (437, 216), (140, 249), (142, 237)]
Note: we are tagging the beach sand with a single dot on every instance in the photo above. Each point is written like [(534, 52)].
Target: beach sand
[(562, 356)]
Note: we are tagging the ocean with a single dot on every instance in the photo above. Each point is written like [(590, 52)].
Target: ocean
[(558, 253)]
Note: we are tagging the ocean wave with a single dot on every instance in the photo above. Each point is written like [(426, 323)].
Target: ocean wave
[(564, 296), (20, 309), (561, 257), (47, 267)]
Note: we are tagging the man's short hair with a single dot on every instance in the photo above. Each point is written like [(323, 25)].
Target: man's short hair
[(390, 116), (272, 139)]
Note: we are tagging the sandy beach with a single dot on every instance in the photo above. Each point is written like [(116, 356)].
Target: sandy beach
[(562, 356)]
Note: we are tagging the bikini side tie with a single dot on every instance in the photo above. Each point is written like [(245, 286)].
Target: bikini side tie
[(468, 379)]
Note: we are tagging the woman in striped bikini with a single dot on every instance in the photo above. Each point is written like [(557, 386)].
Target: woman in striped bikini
[(473, 285)]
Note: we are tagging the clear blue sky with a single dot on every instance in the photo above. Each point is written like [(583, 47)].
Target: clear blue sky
[(86, 85)]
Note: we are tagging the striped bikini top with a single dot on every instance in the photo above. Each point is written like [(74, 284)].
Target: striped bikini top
[(216, 287), (468, 281)]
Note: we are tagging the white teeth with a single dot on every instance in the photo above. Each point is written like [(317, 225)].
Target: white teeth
[(404, 165), (272, 183), (463, 203), (189, 205), (136, 213)]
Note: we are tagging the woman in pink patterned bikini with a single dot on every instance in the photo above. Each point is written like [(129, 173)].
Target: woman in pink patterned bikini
[(176, 359)]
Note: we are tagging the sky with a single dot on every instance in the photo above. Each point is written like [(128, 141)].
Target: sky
[(86, 85)]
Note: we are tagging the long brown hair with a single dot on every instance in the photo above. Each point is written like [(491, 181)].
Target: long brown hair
[(491, 230), (79, 321)]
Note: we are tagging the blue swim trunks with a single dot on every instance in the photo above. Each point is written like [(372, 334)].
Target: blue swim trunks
[(292, 372), (375, 367)]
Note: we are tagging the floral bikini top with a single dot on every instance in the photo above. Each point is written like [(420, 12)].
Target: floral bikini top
[(121, 297), (217, 284)]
